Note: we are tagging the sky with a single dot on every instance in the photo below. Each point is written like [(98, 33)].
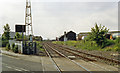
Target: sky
[(52, 17)]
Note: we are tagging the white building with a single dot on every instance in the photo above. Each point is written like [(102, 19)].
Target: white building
[(12, 40), (83, 37), (116, 35)]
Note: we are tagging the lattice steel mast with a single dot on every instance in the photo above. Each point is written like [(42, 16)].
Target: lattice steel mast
[(28, 19)]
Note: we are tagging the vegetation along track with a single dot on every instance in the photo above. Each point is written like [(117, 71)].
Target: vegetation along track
[(77, 55), (106, 60)]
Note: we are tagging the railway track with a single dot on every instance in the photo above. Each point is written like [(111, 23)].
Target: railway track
[(50, 50), (51, 58), (82, 64), (106, 60), (77, 55)]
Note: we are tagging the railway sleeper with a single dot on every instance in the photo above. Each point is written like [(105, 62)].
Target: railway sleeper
[(80, 55), (99, 57), (114, 61)]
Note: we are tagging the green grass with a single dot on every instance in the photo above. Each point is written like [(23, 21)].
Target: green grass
[(114, 47), (111, 45), (39, 46), (80, 44)]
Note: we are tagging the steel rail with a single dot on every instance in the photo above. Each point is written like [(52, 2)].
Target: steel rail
[(68, 58), (78, 55), (75, 54), (99, 57), (55, 64)]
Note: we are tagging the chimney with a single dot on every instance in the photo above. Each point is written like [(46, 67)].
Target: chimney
[(65, 37)]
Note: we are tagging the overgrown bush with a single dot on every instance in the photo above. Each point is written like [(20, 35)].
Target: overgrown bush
[(15, 50), (8, 47), (108, 43), (13, 45), (118, 47), (39, 46), (4, 43), (117, 40), (97, 34)]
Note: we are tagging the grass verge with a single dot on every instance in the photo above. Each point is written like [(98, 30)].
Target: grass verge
[(112, 45)]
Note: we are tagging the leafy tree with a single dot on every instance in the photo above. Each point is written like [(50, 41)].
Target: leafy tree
[(6, 35), (97, 34), (18, 36), (8, 47)]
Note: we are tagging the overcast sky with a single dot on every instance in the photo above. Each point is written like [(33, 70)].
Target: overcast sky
[(52, 17)]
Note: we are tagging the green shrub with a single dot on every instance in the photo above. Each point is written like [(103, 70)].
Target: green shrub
[(108, 43), (15, 50), (8, 47), (109, 49), (4, 43), (13, 45), (117, 47), (117, 40)]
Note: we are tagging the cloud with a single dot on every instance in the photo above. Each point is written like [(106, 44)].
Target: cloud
[(75, 0), (60, 17), (51, 19)]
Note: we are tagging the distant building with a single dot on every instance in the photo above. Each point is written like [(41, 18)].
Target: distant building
[(113, 34), (79, 37), (116, 35), (109, 35), (11, 41), (37, 38), (61, 38), (82, 36), (12, 35), (12, 38), (68, 36), (71, 35), (57, 39)]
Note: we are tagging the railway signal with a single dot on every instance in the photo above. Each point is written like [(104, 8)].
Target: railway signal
[(31, 48), (28, 19)]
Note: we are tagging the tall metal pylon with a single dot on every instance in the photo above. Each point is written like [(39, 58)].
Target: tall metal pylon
[(28, 19)]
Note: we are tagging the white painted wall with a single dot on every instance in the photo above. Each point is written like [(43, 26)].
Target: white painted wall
[(20, 46), (11, 42)]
